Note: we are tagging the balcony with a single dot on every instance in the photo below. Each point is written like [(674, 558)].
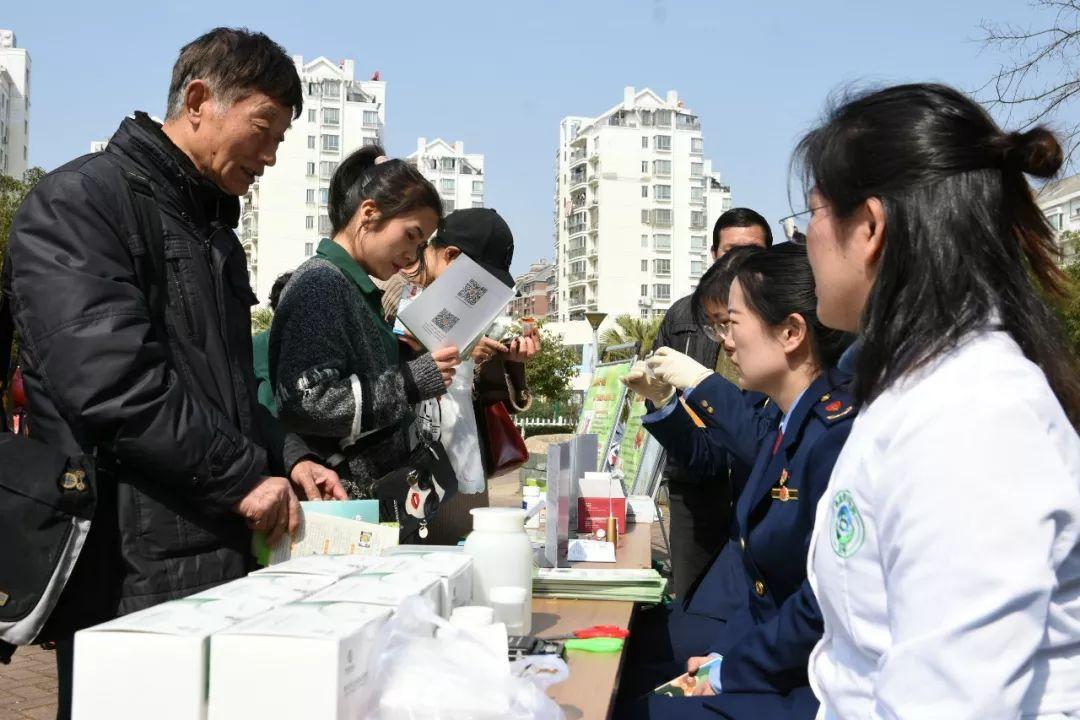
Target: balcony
[(576, 227), (575, 253), (577, 180), (577, 154), (574, 278)]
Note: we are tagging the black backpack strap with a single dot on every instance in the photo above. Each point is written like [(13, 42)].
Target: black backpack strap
[(7, 339), (149, 244)]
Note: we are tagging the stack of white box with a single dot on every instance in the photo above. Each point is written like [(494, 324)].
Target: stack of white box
[(291, 640)]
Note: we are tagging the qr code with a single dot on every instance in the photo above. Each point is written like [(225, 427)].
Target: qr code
[(445, 320), (471, 293)]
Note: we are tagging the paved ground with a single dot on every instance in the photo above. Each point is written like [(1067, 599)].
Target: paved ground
[(28, 684)]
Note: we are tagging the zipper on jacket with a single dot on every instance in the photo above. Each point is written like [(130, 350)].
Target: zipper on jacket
[(181, 299)]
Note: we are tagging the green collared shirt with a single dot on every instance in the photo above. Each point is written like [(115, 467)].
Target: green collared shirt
[(334, 253)]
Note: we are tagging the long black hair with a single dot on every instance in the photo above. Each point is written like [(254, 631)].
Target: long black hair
[(716, 282), (777, 283), (395, 186), (964, 237)]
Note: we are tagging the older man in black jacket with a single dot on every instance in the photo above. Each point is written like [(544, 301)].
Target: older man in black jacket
[(161, 389), (700, 508)]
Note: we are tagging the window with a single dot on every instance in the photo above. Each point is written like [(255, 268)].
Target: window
[(645, 166), (645, 216), (311, 168), (696, 267), (447, 164), (662, 168), (696, 169), (331, 116), (477, 187), (324, 225), (644, 266), (309, 222), (644, 191), (645, 240), (309, 249), (448, 205), (311, 115), (371, 119), (331, 143), (644, 290), (1055, 221), (331, 88), (662, 217), (662, 267), (311, 142), (697, 194), (446, 185), (646, 118), (662, 241), (697, 145), (312, 89), (645, 142), (311, 196), (663, 142), (324, 196), (663, 118), (662, 291), (370, 140), (477, 204), (697, 242), (644, 313), (697, 219), (661, 192), (327, 168)]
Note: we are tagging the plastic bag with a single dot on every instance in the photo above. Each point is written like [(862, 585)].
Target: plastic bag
[(414, 676), (455, 416)]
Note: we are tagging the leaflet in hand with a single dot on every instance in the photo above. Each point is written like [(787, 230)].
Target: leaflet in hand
[(456, 309), (327, 535)]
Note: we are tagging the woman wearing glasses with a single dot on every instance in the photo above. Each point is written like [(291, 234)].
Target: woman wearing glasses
[(752, 613), (335, 365), (945, 555)]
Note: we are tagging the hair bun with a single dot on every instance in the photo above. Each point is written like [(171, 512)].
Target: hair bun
[(1036, 152)]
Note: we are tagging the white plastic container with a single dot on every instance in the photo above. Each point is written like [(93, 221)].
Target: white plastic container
[(502, 555), (530, 498)]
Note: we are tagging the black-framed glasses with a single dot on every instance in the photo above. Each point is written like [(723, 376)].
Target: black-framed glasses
[(790, 224)]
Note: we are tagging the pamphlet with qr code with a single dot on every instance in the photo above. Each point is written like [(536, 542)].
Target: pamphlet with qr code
[(456, 309)]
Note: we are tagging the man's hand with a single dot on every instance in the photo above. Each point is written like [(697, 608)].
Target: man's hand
[(446, 359), (641, 381), (271, 508), (523, 349), (674, 368), (317, 482), (486, 349)]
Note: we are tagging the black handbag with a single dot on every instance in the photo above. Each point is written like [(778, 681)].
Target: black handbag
[(412, 494)]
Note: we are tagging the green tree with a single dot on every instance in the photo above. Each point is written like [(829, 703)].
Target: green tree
[(550, 372), (1069, 309), (629, 329), (261, 318), (12, 193)]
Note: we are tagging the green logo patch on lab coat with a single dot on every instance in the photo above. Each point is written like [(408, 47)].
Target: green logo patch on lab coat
[(848, 532)]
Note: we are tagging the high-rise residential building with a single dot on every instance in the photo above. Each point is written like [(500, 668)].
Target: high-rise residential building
[(458, 177), (534, 288), (635, 201), (1060, 202), (14, 107), (283, 215)]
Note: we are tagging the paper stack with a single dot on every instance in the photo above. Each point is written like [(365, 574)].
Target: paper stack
[(628, 585)]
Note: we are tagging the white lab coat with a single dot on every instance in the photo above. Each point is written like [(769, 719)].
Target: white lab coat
[(945, 551)]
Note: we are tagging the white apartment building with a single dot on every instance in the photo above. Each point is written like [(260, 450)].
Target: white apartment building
[(14, 107), (1060, 202), (283, 216), (635, 201), (458, 177)]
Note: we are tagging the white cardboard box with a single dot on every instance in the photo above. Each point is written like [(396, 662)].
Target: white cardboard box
[(152, 663), (387, 590), (304, 660), (333, 566), (454, 569), (275, 589)]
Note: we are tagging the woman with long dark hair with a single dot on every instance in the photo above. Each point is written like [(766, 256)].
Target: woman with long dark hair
[(338, 377), (752, 607), (945, 554)]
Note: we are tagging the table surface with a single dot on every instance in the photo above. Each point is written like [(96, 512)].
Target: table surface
[(589, 692)]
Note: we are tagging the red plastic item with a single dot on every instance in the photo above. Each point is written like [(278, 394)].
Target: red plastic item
[(596, 631)]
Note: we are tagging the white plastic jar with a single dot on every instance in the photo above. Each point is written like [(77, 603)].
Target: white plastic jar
[(502, 555)]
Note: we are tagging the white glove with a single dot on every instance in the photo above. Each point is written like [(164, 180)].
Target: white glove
[(641, 381), (674, 368)]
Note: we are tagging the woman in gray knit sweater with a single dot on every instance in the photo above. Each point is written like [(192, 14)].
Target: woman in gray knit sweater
[(334, 362)]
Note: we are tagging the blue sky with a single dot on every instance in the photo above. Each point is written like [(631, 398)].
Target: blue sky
[(500, 75)]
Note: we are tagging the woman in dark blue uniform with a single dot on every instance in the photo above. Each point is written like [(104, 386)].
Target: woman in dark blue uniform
[(752, 606)]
